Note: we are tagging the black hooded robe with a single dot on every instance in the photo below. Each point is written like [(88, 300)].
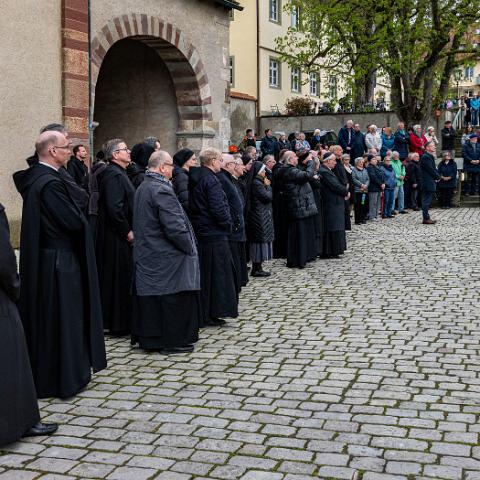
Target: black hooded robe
[(341, 174), (59, 302), (114, 253), (18, 399)]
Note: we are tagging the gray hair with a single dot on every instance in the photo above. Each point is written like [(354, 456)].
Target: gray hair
[(429, 143), (208, 155), (46, 140), (151, 141), (267, 158), (417, 126), (345, 156), (53, 127), (287, 157), (395, 154), (158, 158), (358, 160), (111, 146)]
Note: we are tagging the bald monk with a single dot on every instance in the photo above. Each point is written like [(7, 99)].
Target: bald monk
[(59, 301)]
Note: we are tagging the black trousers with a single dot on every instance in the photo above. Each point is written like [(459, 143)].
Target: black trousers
[(446, 195), (361, 208)]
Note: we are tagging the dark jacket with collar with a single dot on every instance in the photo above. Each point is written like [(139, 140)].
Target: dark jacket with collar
[(333, 195), (260, 217), (447, 170), (401, 142), (180, 185), (413, 175), (358, 147), (429, 172), (78, 171), (345, 138), (376, 178), (209, 209), (268, 145), (448, 138), (471, 152), (299, 193), (236, 204)]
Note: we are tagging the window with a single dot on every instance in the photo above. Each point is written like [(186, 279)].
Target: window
[(295, 18), (468, 73), (274, 73), (314, 84), (231, 65), (274, 11), (332, 88), (295, 79)]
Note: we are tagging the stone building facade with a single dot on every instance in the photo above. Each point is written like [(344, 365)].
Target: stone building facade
[(135, 67)]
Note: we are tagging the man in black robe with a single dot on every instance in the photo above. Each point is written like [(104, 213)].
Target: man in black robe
[(114, 238), (212, 222), (76, 166), (59, 302), (19, 415), (341, 174)]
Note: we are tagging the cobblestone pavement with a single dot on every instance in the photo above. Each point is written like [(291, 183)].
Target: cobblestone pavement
[(365, 367)]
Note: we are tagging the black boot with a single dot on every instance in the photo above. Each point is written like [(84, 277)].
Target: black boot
[(257, 271)]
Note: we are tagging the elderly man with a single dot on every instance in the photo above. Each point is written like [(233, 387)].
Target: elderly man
[(358, 146), (346, 136), (59, 302), (19, 415), (471, 158), (114, 238), (212, 222), (341, 173), (401, 141), (430, 177), (167, 307)]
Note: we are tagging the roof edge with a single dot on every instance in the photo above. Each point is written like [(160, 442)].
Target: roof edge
[(231, 4)]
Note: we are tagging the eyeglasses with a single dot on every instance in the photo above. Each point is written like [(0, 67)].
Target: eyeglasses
[(123, 149), (69, 146), (168, 164)]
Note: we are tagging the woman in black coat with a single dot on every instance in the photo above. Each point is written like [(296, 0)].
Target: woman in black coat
[(447, 169), (183, 160), (136, 170), (260, 230)]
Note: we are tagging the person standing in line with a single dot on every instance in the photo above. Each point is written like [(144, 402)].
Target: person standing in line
[(77, 168), (114, 238), (138, 165), (19, 415), (401, 141), (375, 188), (358, 147), (390, 184), (448, 135), (166, 304), (346, 137), (430, 177), (399, 170), (413, 178), (59, 300), (212, 223), (361, 182), (471, 160), (447, 169), (183, 160)]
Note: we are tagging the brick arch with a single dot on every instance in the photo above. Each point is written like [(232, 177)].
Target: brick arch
[(188, 74)]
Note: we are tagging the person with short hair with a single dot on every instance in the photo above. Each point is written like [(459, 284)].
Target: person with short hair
[(375, 188), (399, 170), (373, 138), (417, 140), (447, 169), (301, 143), (248, 140), (59, 299), (448, 134), (471, 161), (212, 223), (401, 141), (388, 141), (430, 177), (77, 168), (281, 144), (166, 282), (346, 136), (389, 191), (153, 142), (413, 178), (361, 181), (358, 146), (267, 146), (114, 238)]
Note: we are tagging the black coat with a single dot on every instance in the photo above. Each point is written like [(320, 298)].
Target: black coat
[(280, 217), (180, 185), (260, 217), (345, 138), (78, 171), (447, 170), (413, 175), (18, 400), (333, 194), (59, 301), (448, 138), (209, 209), (471, 152), (429, 172), (401, 142), (376, 179), (279, 146), (114, 253), (358, 147), (136, 174), (299, 193), (268, 145), (236, 203)]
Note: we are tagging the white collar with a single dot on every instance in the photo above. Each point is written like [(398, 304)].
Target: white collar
[(48, 165)]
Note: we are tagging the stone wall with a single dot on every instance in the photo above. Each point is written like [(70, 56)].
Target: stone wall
[(243, 116), (30, 87)]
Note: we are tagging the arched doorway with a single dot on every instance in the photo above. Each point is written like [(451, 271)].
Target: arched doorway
[(118, 82), (135, 97)]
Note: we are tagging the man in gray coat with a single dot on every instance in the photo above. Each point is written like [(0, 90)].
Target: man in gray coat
[(167, 307)]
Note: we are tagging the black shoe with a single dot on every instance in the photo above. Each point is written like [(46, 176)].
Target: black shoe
[(403, 212), (173, 350), (41, 429), (260, 273), (415, 209), (215, 322)]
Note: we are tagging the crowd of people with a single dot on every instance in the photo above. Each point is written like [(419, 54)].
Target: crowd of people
[(157, 247)]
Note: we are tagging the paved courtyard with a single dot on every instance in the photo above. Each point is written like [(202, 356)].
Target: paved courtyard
[(366, 367)]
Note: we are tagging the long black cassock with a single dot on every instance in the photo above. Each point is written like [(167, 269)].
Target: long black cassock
[(18, 399), (114, 253), (59, 300)]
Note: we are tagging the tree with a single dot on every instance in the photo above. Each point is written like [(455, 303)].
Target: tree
[(415, 43)]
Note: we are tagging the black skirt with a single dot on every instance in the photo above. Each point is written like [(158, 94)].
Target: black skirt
[(165, 321), (218, 279), (334, 243), (302, 246), (240, 261)]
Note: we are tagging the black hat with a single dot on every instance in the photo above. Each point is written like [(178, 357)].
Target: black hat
[(141, 153), (183, 156)]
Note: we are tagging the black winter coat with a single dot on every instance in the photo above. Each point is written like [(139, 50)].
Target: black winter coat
[(260, 217), (471, 152), (268, 145), (78, 171), (429, 172), (300, 198), (447, 170), (448, 138), (376, 179), (333, 194), (358, 147), (209, 209), (402, 139), (136, 174), (279, 146), (236, 204), (180, 185), (413, 175)]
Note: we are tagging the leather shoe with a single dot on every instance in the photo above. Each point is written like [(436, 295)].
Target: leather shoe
[(261, 273), (403, 212), (173, 350), (215, 322), (40, 429), (429, 222)]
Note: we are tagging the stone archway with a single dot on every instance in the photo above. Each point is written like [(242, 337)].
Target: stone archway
[(190, 81)]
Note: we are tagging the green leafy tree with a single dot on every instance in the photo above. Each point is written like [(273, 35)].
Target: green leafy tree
[(416, 44)]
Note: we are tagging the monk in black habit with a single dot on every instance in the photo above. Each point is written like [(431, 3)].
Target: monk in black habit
[(167, 306), (334, 193), (212, 222), (114, 238), (59, 302), (19, 415)]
